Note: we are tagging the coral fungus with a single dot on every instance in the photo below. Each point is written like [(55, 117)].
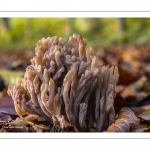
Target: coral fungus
[(65, 85)]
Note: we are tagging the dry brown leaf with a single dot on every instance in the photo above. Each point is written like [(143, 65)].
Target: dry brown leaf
[(23, 125), (125, 122), (137, 110), (119, 103), (144, 125), (138, 90), (146, 112), (128, 94), (19, 125), (119, 88), (6, 104), (68, 129), (125, 77)]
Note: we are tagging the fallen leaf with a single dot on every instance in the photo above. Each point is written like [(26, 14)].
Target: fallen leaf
[(125, 122), (119, 88), (137, 110), (6, 104), (144, 125), (128, 94), (125, 77), (119, 103), (146, 113)]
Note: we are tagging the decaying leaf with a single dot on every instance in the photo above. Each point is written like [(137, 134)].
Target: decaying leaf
[(125, 122), (145, 114), (23, 125), (119, 103), (144, 125), (12, 115), (19, 125), (125, 77), (58, 129), (128, 94), (136, 93), (6, 104), (137, 110)]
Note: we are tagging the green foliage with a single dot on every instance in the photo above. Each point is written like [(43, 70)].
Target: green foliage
[(23, 33), (10, 76)]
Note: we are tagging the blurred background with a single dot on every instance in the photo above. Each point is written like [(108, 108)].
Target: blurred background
[(121, 41), (22, 33)]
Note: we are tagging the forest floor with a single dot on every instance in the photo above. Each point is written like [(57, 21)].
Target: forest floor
[(133, 88)]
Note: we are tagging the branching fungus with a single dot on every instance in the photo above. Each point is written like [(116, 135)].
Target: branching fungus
[(65, 85)]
